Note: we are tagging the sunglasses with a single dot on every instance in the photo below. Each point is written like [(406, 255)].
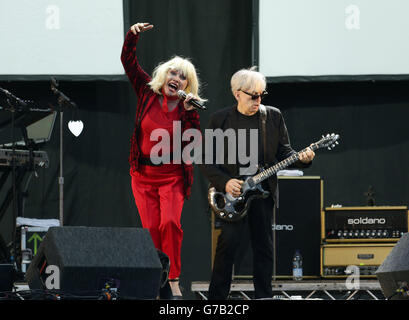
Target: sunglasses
[(256, 96)]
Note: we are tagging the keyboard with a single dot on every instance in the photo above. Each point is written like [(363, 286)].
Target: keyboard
[(22, 158)]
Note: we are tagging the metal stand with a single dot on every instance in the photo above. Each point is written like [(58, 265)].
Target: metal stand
[(61, 177), (15, 104), (276, 205), (20, 110), (63, 101), (274, 243)]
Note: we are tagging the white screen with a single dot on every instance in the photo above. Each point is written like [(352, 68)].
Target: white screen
[(333, 37), (61, 37)]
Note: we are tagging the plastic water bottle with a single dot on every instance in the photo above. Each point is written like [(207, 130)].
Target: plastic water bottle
[(297, 266)]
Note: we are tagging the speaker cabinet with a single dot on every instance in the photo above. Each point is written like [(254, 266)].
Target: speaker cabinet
[(337, 259), (7, 275), (297, 226), (393, 274), (88, 258)]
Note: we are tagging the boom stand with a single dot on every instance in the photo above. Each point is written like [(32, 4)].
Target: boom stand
[(63, 101), (61, 177)]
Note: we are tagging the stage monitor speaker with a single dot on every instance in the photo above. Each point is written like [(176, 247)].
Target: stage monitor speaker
[(7, 276), (89, 259), (4, 251), (298, 226), (393, 273)]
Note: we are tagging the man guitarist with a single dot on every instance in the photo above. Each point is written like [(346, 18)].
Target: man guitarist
[(248, 87)]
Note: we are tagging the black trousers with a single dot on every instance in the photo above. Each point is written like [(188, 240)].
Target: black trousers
[(258, 220)]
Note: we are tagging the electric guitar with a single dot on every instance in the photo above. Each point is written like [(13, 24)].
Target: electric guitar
[(229, 208)]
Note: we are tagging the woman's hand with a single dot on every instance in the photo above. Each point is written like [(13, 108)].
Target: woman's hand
[(140, 27), (186, 103)]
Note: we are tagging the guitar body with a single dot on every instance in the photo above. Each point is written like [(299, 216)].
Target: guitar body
[(229, 208)]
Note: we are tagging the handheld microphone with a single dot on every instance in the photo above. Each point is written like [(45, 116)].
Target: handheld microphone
[(194, 102)]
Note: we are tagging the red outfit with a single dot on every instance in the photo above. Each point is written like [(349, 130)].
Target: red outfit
[(159, 198), (139, 80), (156, 117), (159, 191)]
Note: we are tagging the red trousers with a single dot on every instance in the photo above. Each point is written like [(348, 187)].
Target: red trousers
[(159, 197)]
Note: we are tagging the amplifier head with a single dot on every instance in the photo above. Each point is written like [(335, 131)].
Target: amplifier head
[(363, 223)]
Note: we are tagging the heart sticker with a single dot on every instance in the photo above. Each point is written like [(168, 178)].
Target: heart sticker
[(76, 127)]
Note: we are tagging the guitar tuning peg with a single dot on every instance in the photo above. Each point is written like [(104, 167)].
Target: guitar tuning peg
[(329, 148), (327, 135), (336, 142)]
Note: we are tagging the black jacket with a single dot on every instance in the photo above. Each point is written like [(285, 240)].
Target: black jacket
[(278, 147)]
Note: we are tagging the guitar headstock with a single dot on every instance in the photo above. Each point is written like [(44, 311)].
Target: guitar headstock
[(329, 141)]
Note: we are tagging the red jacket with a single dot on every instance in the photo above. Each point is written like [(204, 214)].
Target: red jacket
[(139, 80)]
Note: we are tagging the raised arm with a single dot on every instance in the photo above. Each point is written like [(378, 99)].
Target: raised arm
[(137, 76)]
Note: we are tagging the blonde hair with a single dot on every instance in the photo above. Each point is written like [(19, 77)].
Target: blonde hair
[(247, 80), (180, 64)]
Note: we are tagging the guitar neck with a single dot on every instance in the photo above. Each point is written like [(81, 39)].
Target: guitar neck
[(267, 173)]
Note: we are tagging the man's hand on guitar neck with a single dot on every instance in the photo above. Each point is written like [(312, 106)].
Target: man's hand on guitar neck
[(233, 186), (307, 155)]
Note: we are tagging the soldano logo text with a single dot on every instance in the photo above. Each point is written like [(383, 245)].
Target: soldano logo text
[(282, 227), (367, 220)]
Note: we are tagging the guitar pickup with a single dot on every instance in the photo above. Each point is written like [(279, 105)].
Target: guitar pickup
[(250, 182)]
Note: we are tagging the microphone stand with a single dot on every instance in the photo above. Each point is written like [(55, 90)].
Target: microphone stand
[(276, 205), (13, 164), (15, 104), (63, 100)]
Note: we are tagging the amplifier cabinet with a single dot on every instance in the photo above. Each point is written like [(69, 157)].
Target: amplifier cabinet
[(364, 224), (337, 259), (297, 226)]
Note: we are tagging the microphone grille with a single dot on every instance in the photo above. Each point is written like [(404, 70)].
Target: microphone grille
[(181, 94)]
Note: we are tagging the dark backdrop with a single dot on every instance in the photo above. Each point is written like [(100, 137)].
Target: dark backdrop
[(371, 118)]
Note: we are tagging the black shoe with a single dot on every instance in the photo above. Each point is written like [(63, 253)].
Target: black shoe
[(165, 293)]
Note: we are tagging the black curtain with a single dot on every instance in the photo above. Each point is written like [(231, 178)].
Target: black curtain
[(216, 36), (371, 118)]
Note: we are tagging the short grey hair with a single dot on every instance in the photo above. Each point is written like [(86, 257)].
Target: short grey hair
[(247, 80)]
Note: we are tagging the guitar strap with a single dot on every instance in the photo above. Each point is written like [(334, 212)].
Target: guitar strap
[(263, 114)]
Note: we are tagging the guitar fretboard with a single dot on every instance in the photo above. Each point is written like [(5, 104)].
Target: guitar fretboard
[(267, 173)]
